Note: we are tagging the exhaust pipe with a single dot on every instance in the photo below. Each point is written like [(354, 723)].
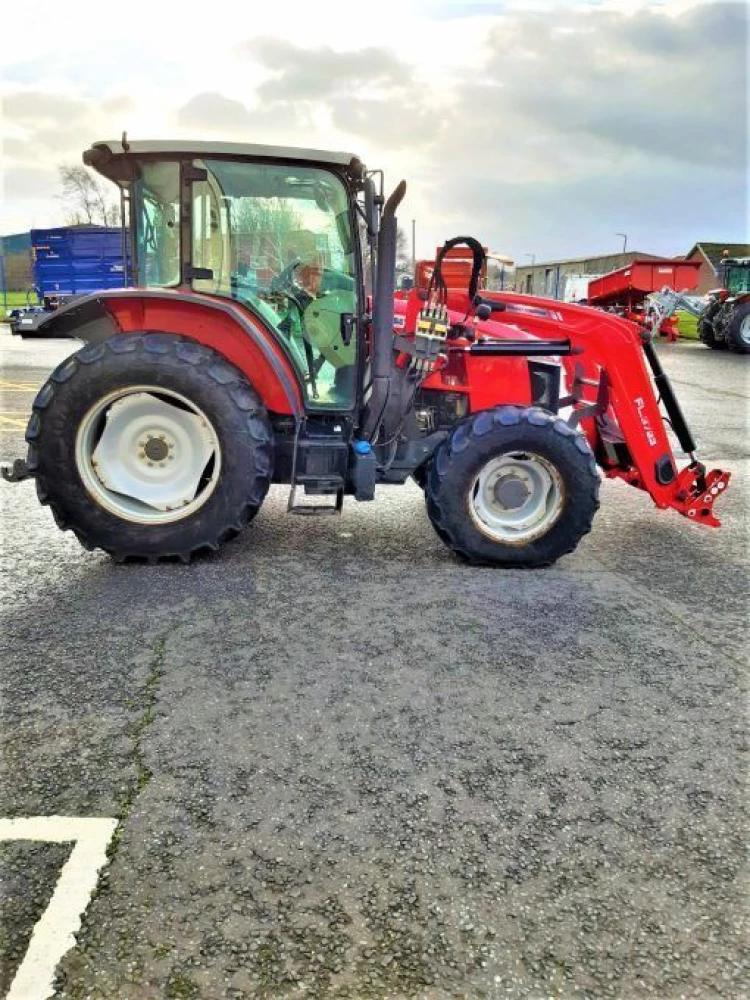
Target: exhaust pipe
[(382, 316)]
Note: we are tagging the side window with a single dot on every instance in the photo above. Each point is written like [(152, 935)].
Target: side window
[(211, 238), (158, 224)]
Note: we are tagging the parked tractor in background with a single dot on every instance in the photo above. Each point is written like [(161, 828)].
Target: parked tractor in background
[(248, 352), (725, 322)]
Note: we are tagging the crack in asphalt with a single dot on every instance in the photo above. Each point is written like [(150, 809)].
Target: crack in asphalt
[(147, 697), (710, 389), (657, 600), (143, 774)]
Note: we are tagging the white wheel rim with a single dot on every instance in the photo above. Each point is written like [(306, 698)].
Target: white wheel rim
[(145, 458), (516, 498), (745, 329)]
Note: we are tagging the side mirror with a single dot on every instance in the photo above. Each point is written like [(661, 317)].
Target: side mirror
[(371, 208)]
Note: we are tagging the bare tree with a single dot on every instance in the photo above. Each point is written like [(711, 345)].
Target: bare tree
[(85, 198), (403, 252), (262, 229)]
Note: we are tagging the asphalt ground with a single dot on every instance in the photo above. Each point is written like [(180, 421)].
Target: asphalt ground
[(346, 765)]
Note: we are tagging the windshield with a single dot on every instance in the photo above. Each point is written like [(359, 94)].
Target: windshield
[(279, 239), (738, 279)]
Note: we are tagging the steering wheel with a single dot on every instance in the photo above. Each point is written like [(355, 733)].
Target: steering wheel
[(284, 281)]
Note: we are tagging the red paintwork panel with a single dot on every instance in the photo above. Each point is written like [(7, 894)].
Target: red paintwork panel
[(487, 382), (215, 328)]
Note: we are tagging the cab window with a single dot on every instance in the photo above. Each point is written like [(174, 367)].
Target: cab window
[(157, 196), (279, 239)]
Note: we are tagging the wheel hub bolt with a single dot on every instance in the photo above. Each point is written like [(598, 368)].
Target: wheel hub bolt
[(511, 492), (156, 449)]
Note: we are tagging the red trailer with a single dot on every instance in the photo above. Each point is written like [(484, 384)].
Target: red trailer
[(456, 268), (625, 291)]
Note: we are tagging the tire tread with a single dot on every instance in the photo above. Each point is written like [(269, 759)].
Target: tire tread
[(240, 394), (474, 428)]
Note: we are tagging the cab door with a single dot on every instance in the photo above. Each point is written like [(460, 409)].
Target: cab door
[(280, 240)]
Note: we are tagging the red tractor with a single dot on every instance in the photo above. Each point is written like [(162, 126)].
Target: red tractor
[(247, 353)]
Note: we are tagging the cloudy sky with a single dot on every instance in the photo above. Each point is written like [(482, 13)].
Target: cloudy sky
[(538, 127)]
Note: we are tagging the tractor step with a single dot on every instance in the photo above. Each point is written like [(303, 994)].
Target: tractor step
[(320, 486), (320, 463)]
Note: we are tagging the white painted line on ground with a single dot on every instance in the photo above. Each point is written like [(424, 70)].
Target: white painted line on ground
[(54, 932)]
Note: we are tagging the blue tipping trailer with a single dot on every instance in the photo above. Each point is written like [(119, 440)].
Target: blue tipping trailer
[(71, 261), (76, 261)]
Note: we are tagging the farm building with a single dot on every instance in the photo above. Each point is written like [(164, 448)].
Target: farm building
[(550, 277), (555, 278)]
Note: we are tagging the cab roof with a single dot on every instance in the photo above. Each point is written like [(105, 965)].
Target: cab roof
[(114, 158)]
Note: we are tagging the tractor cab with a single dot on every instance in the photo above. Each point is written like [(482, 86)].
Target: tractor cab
[(273, 229), (736, 275)]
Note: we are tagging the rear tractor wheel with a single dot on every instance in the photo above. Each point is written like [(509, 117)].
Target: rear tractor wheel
[(513, 487), (738, 329), (150, 446)]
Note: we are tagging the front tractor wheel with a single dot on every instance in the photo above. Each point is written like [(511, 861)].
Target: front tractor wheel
[(150, 446), (706, 330), (513, 487)]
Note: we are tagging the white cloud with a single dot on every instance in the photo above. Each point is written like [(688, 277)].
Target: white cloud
[(538, 126)]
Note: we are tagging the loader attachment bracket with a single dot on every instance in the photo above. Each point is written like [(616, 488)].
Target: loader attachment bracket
[(696, 492), (590, 409), (693, 493)]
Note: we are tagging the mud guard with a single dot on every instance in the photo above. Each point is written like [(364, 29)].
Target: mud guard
[(225, 326)]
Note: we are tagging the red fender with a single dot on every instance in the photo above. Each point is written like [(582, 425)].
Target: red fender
[(222, 324)]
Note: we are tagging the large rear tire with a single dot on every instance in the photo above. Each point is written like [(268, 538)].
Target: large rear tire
[(738, 329), (150, 446), (513, 487)]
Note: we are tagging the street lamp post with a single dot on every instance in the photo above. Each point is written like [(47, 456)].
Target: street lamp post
[(533, 262), (624, 241), (2, 279)]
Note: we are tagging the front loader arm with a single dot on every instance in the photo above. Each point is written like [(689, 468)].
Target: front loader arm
[(613, 381)]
